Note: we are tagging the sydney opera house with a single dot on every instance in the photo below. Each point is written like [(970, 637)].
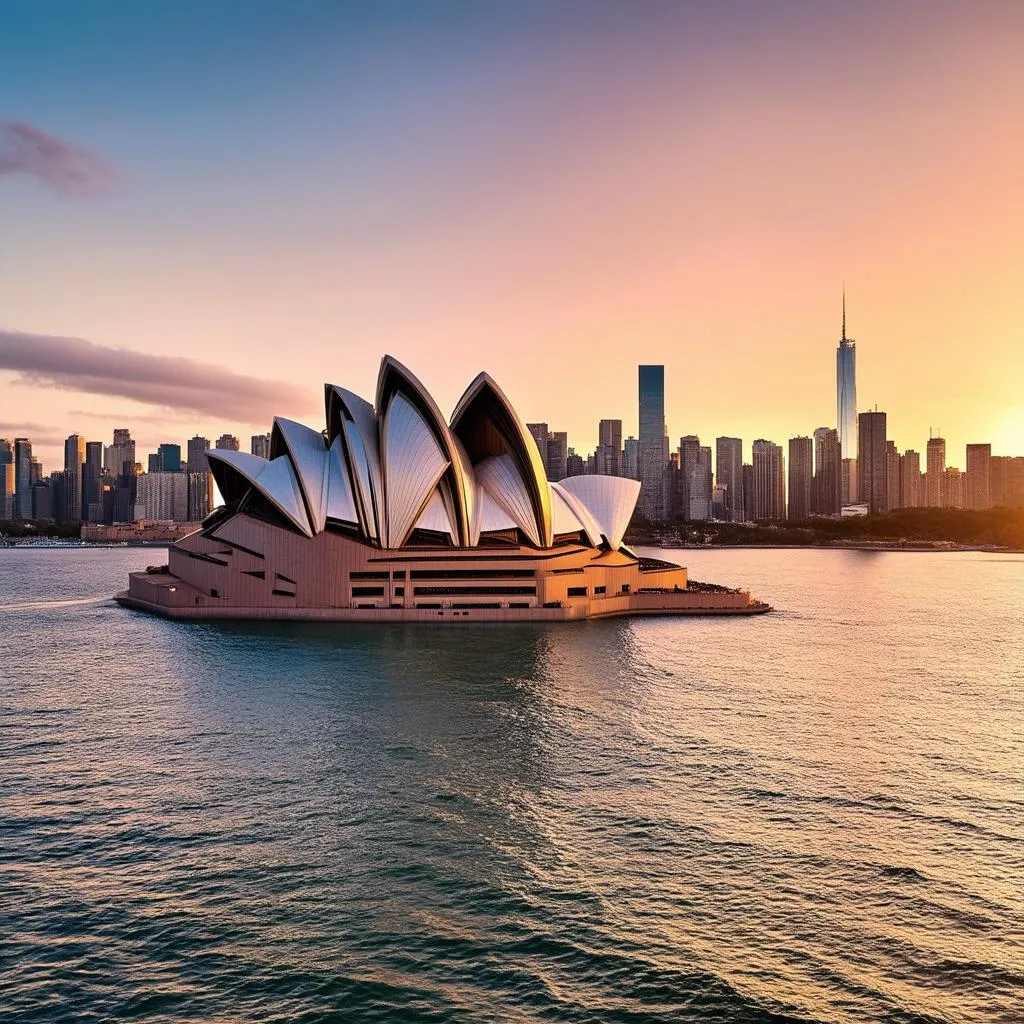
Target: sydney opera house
[(393, 513)]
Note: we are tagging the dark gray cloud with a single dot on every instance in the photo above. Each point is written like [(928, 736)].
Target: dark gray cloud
[(67, 169), (168, 382)]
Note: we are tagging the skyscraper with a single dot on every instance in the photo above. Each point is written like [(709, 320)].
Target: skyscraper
[(910, 479), (935, 473), (729, 475), (695, 479), (609, 447), (22, 478), (163, 497), (653, 451), (748, 492), (6, 479), (74, 458), (769, 481), (871, 464), (846, 392), (539, 432), (953, 488), (827, 494), (892, 475), (631, 458), (200, 494), (801, 476), (978, 487), (197, 461), (120, 456), (259, 444), (169, 458), (92, 483), (558, 455), (227, 442)]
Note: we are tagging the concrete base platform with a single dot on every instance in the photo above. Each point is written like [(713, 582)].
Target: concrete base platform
[(641, 604)]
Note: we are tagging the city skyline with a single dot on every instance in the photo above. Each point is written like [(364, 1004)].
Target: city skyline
[(400, 184)]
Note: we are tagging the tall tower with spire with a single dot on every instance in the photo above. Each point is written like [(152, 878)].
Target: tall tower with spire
[(846, 392)]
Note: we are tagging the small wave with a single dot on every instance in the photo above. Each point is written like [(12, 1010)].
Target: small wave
[(37, 606), (896, 871)]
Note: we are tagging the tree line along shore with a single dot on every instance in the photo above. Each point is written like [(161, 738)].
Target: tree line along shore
[(910, 527), (923, 527)]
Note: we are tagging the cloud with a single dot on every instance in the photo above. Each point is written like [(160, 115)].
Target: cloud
[(67, 169), (172, 383), (37, 433)]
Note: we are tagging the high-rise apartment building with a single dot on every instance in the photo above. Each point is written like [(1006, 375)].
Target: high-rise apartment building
[(748, 492), (259, 444), (846, 391), (769, 481), (200, 495), (162, 497), (729, 475), (609, 447), (197, 461), (826, 495), (119, 457), (92, 483), (539, 432), (653, 451), (695, 479), (1006, 481), (631, 458), (953, 488), (74, 459), (801, 477), (6, 479), (935, 473), (557, 455), (848, 481), (23, 478), (892, 475), (871, 461), (169, 458), (979, 469), (910, 479), (227, 443)]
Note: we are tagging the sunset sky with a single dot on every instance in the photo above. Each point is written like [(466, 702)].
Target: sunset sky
[(551, 191)]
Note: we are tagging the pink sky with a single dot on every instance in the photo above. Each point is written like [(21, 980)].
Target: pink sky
[(558, 212)]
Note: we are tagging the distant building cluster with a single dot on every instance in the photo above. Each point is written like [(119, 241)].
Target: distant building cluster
[(851, 468)]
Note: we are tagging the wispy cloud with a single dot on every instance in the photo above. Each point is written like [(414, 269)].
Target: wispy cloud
[(38, 433), (167, 382), (67, 169)]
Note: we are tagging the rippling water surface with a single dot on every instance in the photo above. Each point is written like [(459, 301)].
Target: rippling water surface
[(815, 815)]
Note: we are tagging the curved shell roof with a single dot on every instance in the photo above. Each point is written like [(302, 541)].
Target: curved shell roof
[(390, 470)]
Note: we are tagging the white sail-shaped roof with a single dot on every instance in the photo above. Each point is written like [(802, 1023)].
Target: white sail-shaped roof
[(500, 478), (279, 485), (435, 517), (487, 425), (413, 465), (341, 502), (569, 516), (274, 479), (308, 453), (396, 379), (359, 432), (490, 515), (609, 499)]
